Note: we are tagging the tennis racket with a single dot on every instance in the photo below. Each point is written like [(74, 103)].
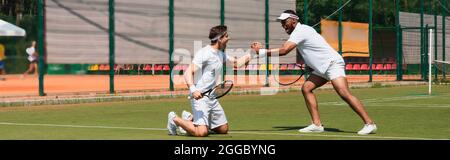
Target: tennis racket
[(218, 91), (299, 71)]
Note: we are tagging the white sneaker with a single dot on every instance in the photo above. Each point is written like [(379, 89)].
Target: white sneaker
[(171, 126), (312, 128), (368, 129), (186, 116)]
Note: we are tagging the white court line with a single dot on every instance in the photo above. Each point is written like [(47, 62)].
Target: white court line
[(338, 136), (80, 126), (377, 100), (398, 105), (234, 132), (409, 105)]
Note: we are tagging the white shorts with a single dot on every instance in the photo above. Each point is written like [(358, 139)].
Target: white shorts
[(208, 112), (336, 70)]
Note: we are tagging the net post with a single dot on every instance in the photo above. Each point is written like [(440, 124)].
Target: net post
[(171, 42), (111, 46), (222, 22), (444, 14), (370, 40), (305, 11), (340, 28), (430, 39), (267, 40), (435, 43), (41, 43), (401, 53), (425, 53), (422, 35), (222, 12), (398, 36), (306, 19)]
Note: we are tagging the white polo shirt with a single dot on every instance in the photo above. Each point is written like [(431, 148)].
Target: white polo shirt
[(210, 64), (316, 52), (30, 51)]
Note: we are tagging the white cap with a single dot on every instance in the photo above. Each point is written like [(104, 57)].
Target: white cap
[(285, 16)]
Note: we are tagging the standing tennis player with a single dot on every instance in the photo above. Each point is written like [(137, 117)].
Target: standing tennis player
[(204, 73), (327, 64)]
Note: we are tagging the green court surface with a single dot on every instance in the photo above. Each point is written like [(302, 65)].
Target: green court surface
[(400, 113)]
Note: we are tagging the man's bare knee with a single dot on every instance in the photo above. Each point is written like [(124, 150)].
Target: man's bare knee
[(201, 131), (345, 95), (222, 129), (307, 90)]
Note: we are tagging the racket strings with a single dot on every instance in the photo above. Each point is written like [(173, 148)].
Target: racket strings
[(221, 89)]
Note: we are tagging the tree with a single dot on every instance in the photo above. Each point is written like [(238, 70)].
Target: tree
[(22, 13), (18, 7), (358, 10)]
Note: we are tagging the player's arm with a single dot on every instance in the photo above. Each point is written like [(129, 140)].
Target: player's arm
[(287, 47), (238, 62), (189, 79)]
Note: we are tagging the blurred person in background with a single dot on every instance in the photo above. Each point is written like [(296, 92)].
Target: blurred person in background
[(33, 58), (2, 63)]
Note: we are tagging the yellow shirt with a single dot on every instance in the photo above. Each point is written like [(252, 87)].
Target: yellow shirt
[(2, 52)]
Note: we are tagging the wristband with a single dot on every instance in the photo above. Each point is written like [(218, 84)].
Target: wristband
[(262, 52)]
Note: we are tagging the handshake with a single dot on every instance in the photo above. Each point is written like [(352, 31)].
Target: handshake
[(257, 48)]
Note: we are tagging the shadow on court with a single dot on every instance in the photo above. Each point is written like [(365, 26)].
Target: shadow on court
[(288, 128)]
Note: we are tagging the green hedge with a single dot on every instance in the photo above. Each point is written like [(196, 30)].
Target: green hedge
[(16, 57)]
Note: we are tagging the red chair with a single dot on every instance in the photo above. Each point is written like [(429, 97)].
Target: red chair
[(364, 67), (283, 67), (299, 67), (374, 67), (349, 67), (379, 67), (148, 67), (394, 66), (274, 67), (129, 67), (103, 67), (117, 67), (166, 67), (158, 67), (356, 67), (388, 67), (291, 67), (177, 67)]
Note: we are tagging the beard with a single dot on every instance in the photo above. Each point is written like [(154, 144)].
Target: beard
[(289, 31), (222, 46)]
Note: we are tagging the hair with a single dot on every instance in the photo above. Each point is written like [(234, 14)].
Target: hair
[(217, 31)]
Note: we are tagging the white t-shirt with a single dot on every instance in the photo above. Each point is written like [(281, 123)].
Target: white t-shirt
[(316, 52), (30, 51), (210, 64)]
